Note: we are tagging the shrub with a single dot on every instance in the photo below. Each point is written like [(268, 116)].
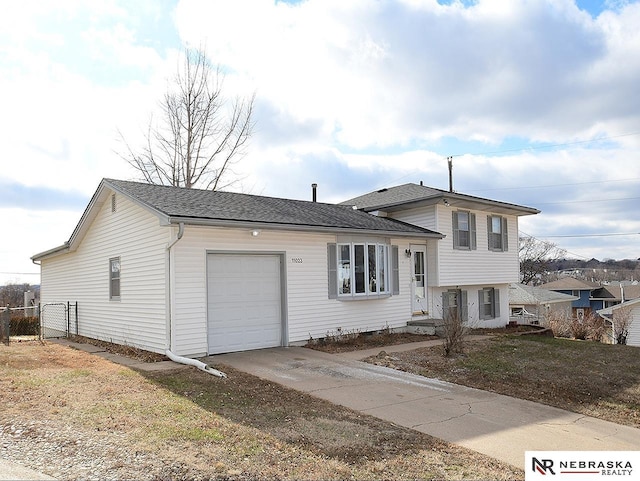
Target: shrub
[(579, 329), (454, 331), (24, 326), (560, 324), (596, 327)]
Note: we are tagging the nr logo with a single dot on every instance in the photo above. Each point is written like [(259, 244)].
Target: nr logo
[(543, 466)]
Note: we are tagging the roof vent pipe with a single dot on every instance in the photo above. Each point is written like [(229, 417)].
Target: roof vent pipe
[(314, 188)]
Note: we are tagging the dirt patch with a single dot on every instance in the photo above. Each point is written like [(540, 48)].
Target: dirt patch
[(123, 350), (586, 377), (347, 342), (74, 415)]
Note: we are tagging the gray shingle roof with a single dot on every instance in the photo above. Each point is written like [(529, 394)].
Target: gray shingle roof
[(569, 284), (402, 195), (394, 195), (526, 295), (228, 207)]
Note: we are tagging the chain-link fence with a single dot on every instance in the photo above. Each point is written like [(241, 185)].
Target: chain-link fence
[(58, 319)]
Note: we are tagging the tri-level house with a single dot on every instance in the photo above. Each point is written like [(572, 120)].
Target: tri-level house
[(197, 272), (466, 273)]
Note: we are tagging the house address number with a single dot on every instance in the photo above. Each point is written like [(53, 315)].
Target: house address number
[(296, 260)]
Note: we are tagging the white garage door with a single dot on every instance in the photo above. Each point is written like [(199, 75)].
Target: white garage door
[(244, 302)]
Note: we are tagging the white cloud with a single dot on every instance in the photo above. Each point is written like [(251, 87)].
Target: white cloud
[(353, 95)]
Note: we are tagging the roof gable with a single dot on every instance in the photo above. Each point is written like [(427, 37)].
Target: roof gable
[(410, 195), (175, 205)]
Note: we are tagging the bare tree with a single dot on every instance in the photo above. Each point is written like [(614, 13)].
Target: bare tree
[(199, 134), (535, 257), (621, 323), (12, 295)]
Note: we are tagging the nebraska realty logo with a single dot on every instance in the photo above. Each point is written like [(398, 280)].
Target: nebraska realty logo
[(582, 465)]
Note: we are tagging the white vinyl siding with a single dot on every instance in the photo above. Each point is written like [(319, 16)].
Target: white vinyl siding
[(473, 308), (476, 267), (633, 338), (139, 318), (448, 266), (309, 312)]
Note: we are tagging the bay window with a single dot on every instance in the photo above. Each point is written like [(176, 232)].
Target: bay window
[(361, 269)]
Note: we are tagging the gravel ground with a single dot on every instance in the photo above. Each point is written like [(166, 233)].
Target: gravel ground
[(67, 453)]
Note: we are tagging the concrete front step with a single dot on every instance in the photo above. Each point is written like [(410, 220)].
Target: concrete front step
[(425, 326)]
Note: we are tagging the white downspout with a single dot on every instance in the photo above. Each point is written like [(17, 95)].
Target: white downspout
[(194, 362), (174, 357)]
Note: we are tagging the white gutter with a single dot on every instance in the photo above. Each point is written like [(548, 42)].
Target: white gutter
[(174, 357)]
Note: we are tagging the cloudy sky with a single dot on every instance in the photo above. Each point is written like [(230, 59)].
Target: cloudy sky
[(536, 100)]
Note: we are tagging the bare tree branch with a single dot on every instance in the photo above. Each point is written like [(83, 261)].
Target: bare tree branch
[(535, 257), (199, 135)]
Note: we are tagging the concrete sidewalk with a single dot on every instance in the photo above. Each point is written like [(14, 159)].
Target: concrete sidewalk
[(499, 426), (14, 471)]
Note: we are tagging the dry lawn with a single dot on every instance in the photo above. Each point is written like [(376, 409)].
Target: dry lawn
[(586, 377), (75, 415)]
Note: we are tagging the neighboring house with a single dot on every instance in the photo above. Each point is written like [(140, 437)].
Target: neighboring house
[(581, 307), (201, 272), (592, 296), (612, 294), (532, 305), (470, 270), (629, 313)]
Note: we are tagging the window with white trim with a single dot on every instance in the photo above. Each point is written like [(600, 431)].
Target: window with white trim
[(455, 305), (489, 303), (114, 278), (464, 230), (497, 233), (361, 269)]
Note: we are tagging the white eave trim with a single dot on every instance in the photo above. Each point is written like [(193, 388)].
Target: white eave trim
[(298, 227)]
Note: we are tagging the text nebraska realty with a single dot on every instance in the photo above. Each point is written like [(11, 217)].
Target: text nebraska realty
[(606, 468)]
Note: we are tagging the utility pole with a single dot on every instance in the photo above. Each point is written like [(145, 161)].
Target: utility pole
[(450, 162)]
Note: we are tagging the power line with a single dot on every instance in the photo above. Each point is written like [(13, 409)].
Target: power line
[(584, 201), (563, 250), (557, 185), (594, 235), (549, 146), (21, 273), (524, 149)]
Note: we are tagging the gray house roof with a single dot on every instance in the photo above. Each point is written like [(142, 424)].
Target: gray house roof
[(413, 195), (521, 294), (175, 205), (570, 284), (205, 206)]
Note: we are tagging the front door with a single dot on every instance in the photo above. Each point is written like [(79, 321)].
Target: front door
[(419, 280)]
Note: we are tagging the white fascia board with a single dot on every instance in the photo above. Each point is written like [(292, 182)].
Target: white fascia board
[(298, 227)]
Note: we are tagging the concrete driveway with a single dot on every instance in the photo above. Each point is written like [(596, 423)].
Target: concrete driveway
[(499, 426)]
